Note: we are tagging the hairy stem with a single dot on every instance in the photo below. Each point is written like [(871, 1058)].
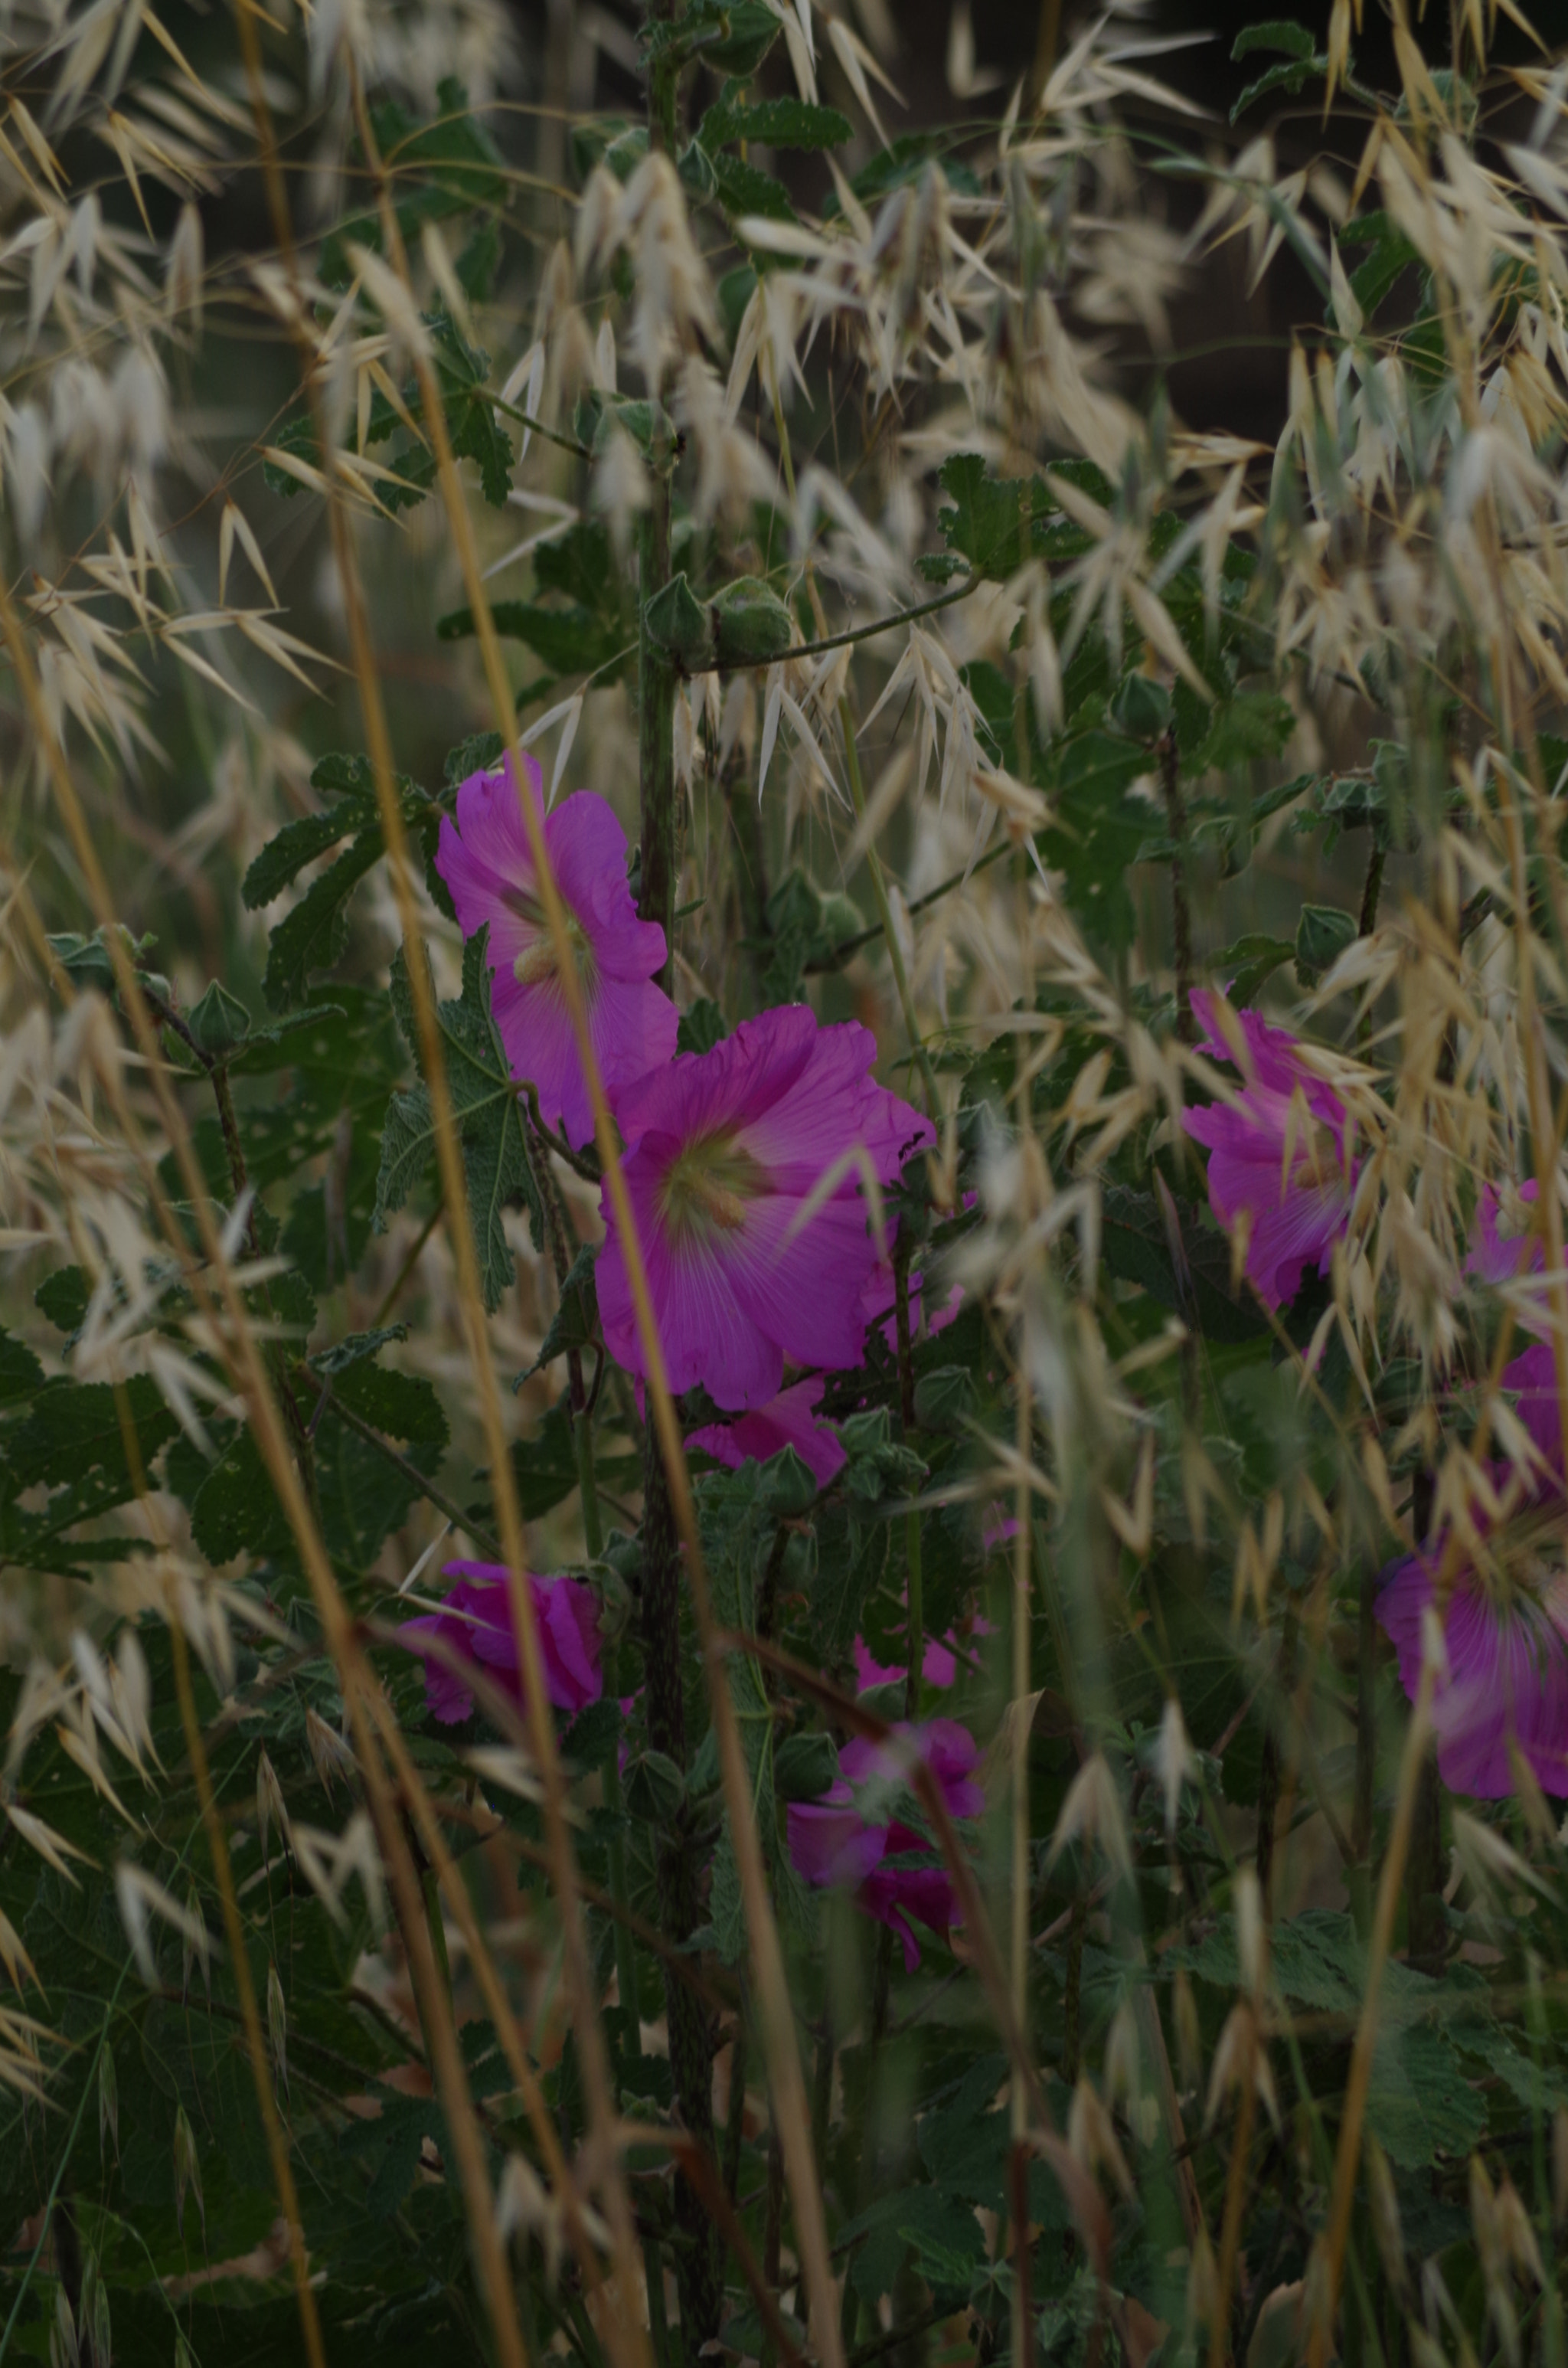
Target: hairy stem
[(1181, 913), (691, 2045)]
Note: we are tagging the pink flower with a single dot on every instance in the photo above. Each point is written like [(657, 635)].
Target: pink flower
[(1508, 1675), (1507, 1628), (832, 1843), (486, 863), (725, 1148), (784, 1421), (475, 1621), (937, 1668), (1281, 1159), (1505, 1242)]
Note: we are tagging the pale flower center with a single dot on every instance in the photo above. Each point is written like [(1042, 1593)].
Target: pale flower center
[(707, 1186), (537, 961)]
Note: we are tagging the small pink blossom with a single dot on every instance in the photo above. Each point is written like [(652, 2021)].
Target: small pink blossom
[(1505, 1628), (475, 1621), (725, 1149), (487, 864), (785, 1421), (1280, 1159), (1505, 1242), (832, 1843)]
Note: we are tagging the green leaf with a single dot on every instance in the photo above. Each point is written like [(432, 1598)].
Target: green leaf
[(945, 1399), (545, 1467), (1390, 254), (998, 523), (745, 189), (1323, 933), (805, 1766), (487, 1112), (575, 1322), (1253, 727), (570, 640), (312, 935), (297, 844), (1292, 76), (773, 123), (354, 1349), (701, 1027), (1279, 34), (1098, 831), (20, 1373), (403, 1405), (894, 167), (441, 168), (73, 1445), (1242, 968), (480, 753), (1137, 1246)]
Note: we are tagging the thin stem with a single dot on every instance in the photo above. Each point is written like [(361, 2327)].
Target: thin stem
[(395, 1289), (853, 634), (455, 1513), (550, 435)]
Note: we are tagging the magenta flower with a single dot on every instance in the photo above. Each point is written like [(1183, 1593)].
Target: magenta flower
[(475, 1621), (486, 863), (1506, 1627), (785, 1421), (1507, 1679), (832, 1843), (1280, 1160), (724, 1150), (1505, 1242)]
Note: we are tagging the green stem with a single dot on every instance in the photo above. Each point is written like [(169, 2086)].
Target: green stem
[(410, 1472), (916, 1596), (655, 729), (884, 910), (853, 634), (583, 1445)]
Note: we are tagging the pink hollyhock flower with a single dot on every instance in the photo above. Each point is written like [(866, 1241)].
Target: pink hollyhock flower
[(1507, 1679), (1281, 1157), (1507, 1628), (833, 1843), (784, 1421), (724, 1150), (475, 1621), (486, 863), (1505, 1242)]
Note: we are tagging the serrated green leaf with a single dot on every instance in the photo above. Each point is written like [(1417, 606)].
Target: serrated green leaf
[(575, 1322), (1281, 34), (772, 122), (1291, 76), (701, 1027), (1322, 932), (20, 1373), (297, 844), (315, 933)]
